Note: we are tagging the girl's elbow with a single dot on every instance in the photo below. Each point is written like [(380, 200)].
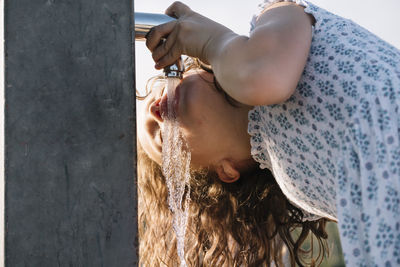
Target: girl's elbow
[(259, 92)]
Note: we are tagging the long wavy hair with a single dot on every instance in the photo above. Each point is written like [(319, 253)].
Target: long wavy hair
[(246, 223)]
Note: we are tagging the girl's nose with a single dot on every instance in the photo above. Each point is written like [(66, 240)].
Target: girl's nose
[(155, 110)]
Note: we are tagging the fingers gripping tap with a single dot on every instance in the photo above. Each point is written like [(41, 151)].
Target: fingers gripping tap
[(144, 22)]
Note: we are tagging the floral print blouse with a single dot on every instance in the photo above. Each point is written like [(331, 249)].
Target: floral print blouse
[(334, 145)]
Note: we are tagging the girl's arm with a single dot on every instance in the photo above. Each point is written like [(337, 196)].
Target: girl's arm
[(266, 67), (261, 69)]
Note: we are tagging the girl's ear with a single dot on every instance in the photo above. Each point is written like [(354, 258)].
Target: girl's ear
[(227, 172)]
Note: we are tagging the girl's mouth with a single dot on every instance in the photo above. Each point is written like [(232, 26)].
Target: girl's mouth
[(172, 111)]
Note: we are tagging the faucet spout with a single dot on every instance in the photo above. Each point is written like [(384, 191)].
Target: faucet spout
[(175, 70), (143, 23)]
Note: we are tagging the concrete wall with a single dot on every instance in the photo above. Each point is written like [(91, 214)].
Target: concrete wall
[(1, 135), (70, 170)]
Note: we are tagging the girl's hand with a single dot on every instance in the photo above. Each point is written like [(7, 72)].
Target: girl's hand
[(191, 34), (261, 69)]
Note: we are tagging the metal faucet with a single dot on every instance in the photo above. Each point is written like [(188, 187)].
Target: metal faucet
[(143, 23)]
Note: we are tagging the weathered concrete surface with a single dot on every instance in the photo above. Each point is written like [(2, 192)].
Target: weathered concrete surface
[(70, 132)]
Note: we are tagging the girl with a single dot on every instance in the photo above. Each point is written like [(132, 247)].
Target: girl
[(317, 104), (245, 223)]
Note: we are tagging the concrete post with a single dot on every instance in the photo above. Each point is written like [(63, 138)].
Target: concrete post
[(70, 133)]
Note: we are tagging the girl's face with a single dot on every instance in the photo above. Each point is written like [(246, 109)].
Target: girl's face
[(203, 114)]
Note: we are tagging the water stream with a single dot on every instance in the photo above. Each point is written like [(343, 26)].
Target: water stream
[(175, 167)]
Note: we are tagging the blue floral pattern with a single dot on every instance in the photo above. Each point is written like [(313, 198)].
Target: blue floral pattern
[(334, 145)]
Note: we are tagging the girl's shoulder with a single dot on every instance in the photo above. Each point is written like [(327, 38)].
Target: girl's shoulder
[(317, 13), (268, 4)]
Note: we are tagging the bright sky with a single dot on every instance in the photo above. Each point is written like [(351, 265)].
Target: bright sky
[(380, 17)]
